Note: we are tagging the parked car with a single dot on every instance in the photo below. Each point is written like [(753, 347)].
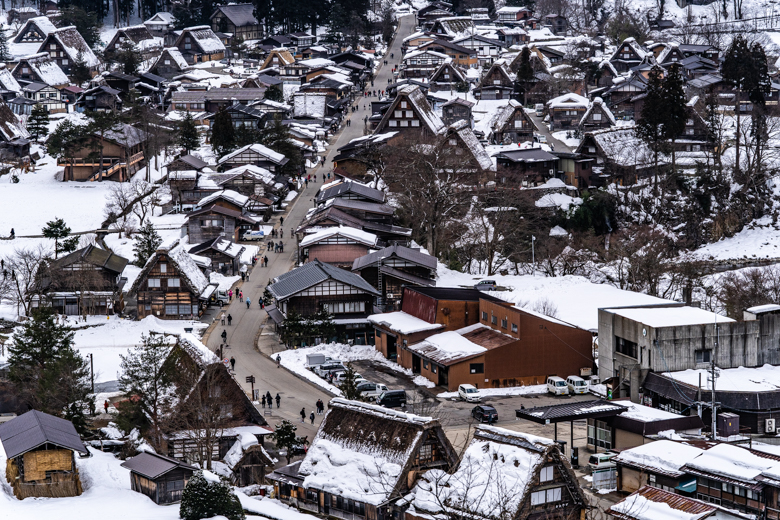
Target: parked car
[(540, 138), (392, 399), (341, 375), (557, 386), (253, 235), (539, 108), (577, 385), (485, 413), (468, 393), (371, 390), (326, 368), (222, 297), (601, 461), (486, 285)]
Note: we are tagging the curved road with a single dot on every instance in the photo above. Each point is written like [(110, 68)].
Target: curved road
[(249, 325)]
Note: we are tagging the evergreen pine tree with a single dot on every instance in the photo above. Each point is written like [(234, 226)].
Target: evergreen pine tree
[(285, 438), (223, 138), (147, 240), (202, 498), (79, 72), (649, 126), (5, 53), (128, 57), (58, 231), (38, 122), (188, 134), (674, 108), (274, 93), (48, 373), (525, 72), (348, 387), (276, 136)]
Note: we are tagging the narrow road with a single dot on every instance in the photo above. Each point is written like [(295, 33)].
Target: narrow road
[(542, 129), (251, 325)]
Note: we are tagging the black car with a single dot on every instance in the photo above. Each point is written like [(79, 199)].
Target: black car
[(485, 413), (392, 399)]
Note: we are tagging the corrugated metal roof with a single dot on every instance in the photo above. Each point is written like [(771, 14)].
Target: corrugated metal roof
[(570, 411), (405, 253), (34, 429), (416, 280), (152, 465), (350, 187), (313, 273), (673, 500)]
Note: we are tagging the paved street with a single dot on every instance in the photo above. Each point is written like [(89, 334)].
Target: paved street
[(542, 129), (250, 326)]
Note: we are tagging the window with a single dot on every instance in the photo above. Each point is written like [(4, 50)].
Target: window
[(174, 485), (433, 368), (514, 327), (378, 333), (600, 434), (171, 309), (426, 453), (153, 282), (519, 124), (404, 122), (344, 307), (409, 114), (64, 62), (625, 347), (494, 320), (425, 364), (477, 368), (496, 82), (703, 356), (546, 496), (546, 475), (53, 46), (503, 323), (597, 117), (453, 142), (167, 62), (174, 282), (484, 316), (393, 122), (403, 104), (163, 268), (398, 113), (187, 46), (215, 391)]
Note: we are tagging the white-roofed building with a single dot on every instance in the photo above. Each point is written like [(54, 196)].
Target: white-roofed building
[(567, 110), (199, 44), (66, 47), (170, 63)]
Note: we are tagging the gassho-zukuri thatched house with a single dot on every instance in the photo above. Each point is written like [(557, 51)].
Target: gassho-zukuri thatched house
[(363, 458), (40, 450)]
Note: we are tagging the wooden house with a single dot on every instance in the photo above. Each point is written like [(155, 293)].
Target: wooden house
[(40, 68), (198, 45), (348, 189), (452, 26), (541, 480), (249, 462), (85, 282), (338, 246), (388, 451), (447, 77), (512, 125), (14, 138), (21, 14), (606, 75), (558, 24), (512, 14), (461, 141), (361, 154), (221, 214), (161, 23), (629, 54), (460, 56), (497, 83), (618, 156), (421, 63), (255, 154), (35, 30), (510, 36), (161, 478), (597, 116), (170, 285), (138, 38), (40, 451), (238, 20), (622, 96), (279, 58), (100, 99), (457, 109), (246, 180), (170, 63), (566, 111), (392, 268), (411, 116), (317, 286), (525, 167), (46, 95), (225, 255), (332, 216), (241, 115), (488, 49), (66, 47), (650, 501), (122, 156)]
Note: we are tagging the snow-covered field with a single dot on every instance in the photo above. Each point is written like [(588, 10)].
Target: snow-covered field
[(295, 361), (760, 239), (501, 392)]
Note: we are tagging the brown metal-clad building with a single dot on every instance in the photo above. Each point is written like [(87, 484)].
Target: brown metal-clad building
[(160, 478)]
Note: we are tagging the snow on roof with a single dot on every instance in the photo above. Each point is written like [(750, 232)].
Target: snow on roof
[(640, 412), (639, 507), (659, 317), (43, 24), (558, 200), (463, 129), (402, 322), (634, 45), (357, 235), (45, 68), (310, 104), (259, 149), (447, 346), (255, 170), (416, 97), (73, 44), (229, 195), (414, 54), (764, 308), (570, 100), (208, 42), (598, 103), (731, 461), (665, 456), (740, 379), (187, 268), (552, 183), (194, 346), (234, 454), (316, 63), (176, 56), (622, 146), (161, 17)]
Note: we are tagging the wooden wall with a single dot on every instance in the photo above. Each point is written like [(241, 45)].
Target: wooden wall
[(157, 298)]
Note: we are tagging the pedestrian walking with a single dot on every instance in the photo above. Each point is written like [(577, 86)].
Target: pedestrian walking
[(268, 396), (247, 303), (224, 336), (278, 361), (303, 415), (230, 295), (223, 318), (240, 296), (266, 260), (281, 221), (263, 400), (278, 400), (281, 233), (230, 320), (105, 405), (311, 416), (233, 363)]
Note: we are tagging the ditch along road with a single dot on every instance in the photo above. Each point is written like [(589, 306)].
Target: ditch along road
[(251, 339)]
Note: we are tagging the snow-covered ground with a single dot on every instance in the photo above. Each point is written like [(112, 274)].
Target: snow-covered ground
[(295, 361), (501, 392), (760, 239)]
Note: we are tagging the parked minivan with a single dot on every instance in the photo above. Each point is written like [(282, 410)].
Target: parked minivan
[(539, 110), (326, 368), (601, 461), (468, 393), (392, 399), (557, 386), (577, 385)]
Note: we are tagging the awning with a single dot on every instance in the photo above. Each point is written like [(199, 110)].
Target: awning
[(274, 314), (208, 292), (689, 486)]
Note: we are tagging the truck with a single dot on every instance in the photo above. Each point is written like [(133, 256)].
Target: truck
[(249, 236), (315, 360)]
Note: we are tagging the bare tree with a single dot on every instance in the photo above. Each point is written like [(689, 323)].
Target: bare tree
[(18, 284)]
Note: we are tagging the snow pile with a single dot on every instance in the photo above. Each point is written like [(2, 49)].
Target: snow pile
[(224, 283), (731, 461), (741, 379), (234, 454), (558, 200), (357, 235), (664, 456), (659, 317), (402, 322), (501, 392), (558, 231)]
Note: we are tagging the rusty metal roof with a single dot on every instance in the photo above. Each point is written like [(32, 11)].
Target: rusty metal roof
[(675, 501)]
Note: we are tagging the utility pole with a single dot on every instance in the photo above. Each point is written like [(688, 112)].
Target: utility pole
[(713, 376), (533, 255), (92, 372)]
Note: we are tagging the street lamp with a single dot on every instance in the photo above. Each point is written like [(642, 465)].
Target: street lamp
[(533, 256)]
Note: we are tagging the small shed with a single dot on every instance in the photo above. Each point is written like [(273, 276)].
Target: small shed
[(160, 478), (40, 450)]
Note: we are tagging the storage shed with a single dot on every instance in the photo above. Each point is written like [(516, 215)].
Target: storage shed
[(40, 450), (160, 478)]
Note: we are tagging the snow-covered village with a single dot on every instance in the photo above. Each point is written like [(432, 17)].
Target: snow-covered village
[(390, 260)]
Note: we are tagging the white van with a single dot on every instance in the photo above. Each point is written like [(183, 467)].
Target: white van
[(539, 110), (557, 386), (577, 385)]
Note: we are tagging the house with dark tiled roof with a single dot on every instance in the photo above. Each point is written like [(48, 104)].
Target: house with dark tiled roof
[(447, 77), (497, 83), (161, 478), (511, 125), (238, 20)]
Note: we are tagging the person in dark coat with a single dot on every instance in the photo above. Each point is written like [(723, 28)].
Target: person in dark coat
[(278, 400), (230, 319), (263, 401), (311, 416), (303, 415), (233, 363), (224, 336)]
